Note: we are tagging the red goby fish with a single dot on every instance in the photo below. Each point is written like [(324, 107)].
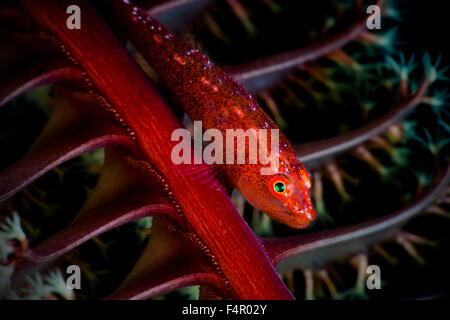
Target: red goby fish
[(209, 94)]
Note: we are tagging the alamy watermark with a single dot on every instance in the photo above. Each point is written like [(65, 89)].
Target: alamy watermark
[(374, 279), (74, 280), (74, 20), (234, 143), (374, 20)]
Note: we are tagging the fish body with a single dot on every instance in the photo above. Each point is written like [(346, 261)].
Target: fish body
[(209, 94)]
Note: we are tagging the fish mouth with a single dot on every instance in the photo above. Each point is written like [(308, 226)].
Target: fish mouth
[(298, 225), (292, 219), (302, 218)]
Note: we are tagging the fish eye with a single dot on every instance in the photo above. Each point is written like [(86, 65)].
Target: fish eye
[(280, 186)]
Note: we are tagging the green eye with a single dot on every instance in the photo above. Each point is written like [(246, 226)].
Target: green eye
[(279, 187)]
